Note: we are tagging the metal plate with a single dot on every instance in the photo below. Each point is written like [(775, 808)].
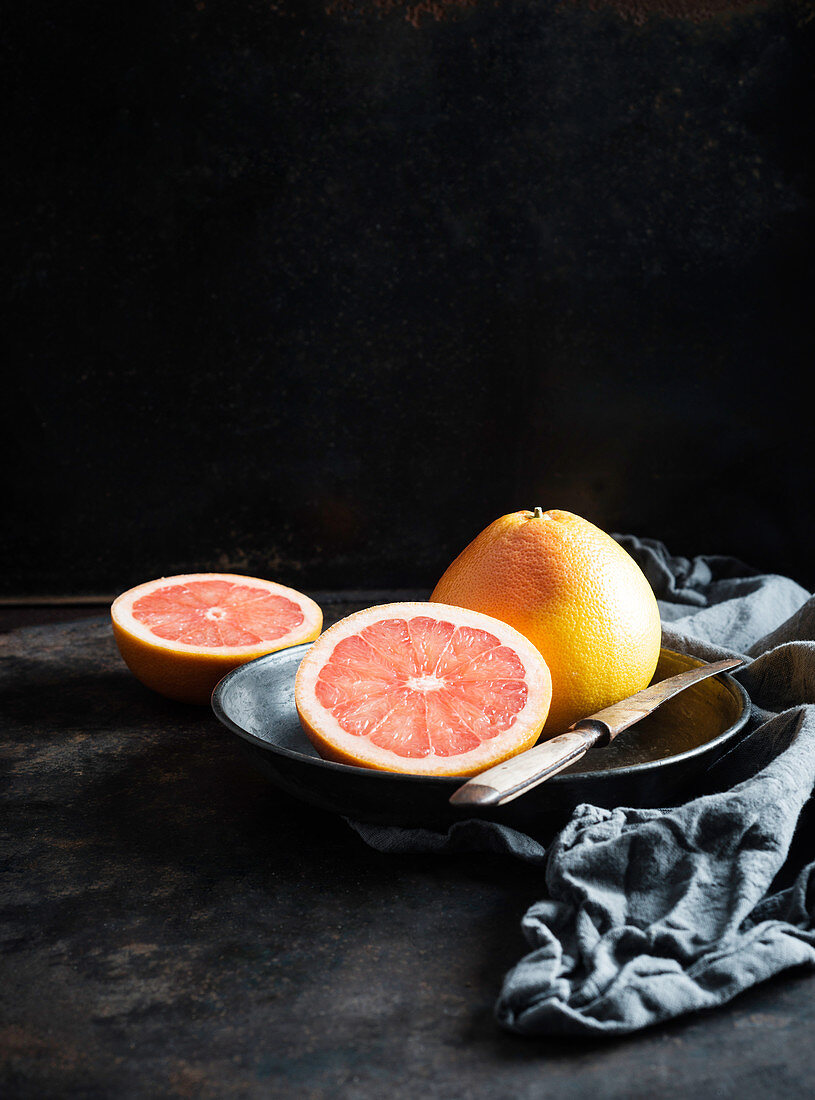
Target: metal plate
[(646, 766)]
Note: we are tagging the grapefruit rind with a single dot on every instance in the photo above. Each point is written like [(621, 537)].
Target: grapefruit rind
[(334, 743), (576, 593), (188, 673)]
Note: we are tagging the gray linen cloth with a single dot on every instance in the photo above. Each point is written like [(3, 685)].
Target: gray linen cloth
[(648, 914)]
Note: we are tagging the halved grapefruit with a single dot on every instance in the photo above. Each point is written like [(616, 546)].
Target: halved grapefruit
[(180, 635), (422, 688)]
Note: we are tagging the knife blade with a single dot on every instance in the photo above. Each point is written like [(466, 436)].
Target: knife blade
[(506, 781)]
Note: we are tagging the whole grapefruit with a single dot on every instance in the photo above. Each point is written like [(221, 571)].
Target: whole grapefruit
[(575, 593)]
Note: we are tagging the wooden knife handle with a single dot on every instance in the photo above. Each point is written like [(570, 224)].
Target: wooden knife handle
[(507, 780)]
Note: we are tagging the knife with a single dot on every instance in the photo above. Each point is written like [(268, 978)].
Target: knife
[(521, 773)]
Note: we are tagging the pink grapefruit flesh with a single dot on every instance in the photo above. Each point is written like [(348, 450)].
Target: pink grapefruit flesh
[(422, 688), (180, 635)]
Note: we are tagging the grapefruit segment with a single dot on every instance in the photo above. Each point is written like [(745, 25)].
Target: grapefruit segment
[(180, 635), (422, 688)]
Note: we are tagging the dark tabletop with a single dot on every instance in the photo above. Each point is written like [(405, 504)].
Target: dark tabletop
[(172, 925)]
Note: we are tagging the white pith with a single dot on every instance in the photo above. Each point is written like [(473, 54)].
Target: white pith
[(527, 723), (122, 614)]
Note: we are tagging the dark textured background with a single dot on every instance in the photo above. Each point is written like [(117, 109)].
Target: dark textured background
[(317, 290)]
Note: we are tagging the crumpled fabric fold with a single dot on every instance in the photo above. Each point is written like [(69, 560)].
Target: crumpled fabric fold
[(647, 914)]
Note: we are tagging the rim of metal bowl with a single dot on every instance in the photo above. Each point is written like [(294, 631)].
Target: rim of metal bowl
[(455, 780)]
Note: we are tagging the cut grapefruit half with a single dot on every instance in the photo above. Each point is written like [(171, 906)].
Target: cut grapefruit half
[(422, 688), (180, 635)]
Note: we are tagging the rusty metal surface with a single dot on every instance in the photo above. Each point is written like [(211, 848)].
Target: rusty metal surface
[(620, 716), (172, 926)]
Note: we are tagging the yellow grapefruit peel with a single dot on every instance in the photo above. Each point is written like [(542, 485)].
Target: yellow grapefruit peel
[(575, 593)]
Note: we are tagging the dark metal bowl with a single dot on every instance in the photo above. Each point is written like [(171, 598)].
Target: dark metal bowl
[(646, 766)]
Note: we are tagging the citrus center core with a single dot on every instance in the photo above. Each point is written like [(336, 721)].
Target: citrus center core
[(425, 683)]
